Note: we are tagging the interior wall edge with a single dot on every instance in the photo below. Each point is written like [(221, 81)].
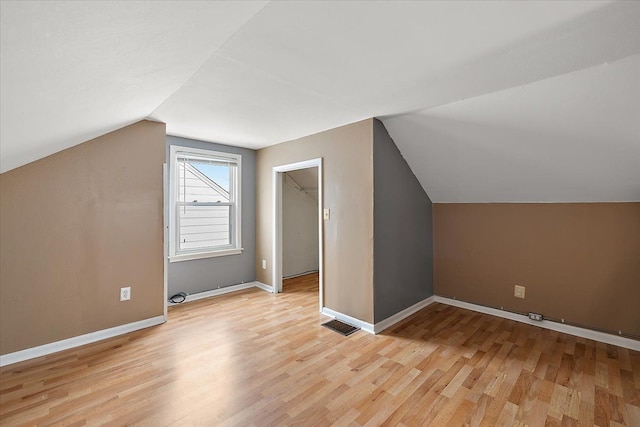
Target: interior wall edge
[(347, 185), (403, 231)]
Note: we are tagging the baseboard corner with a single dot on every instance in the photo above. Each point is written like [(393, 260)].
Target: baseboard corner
[(398, 317), (365, 326), (263, 286)]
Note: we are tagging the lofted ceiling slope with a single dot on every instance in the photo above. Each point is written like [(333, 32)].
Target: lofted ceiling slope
[(488, 101), (74, 70), (570, 138)]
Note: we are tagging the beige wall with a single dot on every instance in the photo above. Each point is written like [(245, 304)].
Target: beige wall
[(347, 154), (74, 228), (580, 262)]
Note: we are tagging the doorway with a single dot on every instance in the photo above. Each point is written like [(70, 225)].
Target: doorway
[(286, 175), (299, 224)]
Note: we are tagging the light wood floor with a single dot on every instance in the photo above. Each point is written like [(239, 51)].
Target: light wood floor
[(252, 358)]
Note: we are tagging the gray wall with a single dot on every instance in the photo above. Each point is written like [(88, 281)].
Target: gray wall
[(212, 273), (403, 232)]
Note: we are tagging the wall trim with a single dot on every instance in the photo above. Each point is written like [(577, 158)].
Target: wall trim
[(263, 286), (546, 324), (384, 324), (276, 224), (392, 320), (69, 343), (214, 292), (222, 291), (300, 274), (365, 326), (54, 347)]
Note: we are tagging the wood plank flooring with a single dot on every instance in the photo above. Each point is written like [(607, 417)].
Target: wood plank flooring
[(253, 358)]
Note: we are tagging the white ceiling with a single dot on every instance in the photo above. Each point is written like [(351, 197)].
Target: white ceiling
[(541, 118), (71, 71), (570, 138)]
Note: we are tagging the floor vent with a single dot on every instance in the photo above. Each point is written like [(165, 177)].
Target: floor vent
[(340, 327)]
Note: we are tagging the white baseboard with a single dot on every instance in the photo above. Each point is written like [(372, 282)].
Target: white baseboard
[(554, 326), (382, 325), (263, 286), (299, 274), (215, 292), (43, 350), (222, 291), (367, 327), (392, 320)]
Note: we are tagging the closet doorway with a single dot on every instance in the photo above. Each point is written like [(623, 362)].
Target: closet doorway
[(297, 228)]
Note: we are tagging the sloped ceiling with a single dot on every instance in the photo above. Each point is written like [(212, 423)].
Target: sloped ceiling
[(71, 71), (570, 138), (307, 179), (488, 101)]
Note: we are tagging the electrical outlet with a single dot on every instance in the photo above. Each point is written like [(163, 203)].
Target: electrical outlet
[(535, 316), (125, 293), (518, 291), (264, 264)]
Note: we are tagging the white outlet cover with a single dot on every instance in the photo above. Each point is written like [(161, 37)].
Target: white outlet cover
[(125, 294), (519, 291)]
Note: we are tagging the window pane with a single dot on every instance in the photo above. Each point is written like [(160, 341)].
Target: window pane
[(218, 173), (204, 194), (195, 186), (204, 226)]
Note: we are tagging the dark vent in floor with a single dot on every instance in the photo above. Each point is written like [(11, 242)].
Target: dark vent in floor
[(340, 327)]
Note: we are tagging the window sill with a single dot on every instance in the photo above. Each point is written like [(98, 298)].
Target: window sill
[(202, 255)]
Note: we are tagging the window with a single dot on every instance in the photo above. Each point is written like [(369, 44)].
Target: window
[(204, 204)]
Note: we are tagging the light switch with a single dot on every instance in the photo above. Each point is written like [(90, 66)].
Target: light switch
[(326, 214)]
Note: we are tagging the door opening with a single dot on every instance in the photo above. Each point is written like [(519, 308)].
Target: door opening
[(280, 178)]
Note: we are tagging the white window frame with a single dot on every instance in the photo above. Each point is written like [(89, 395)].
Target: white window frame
[(236, 226)]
